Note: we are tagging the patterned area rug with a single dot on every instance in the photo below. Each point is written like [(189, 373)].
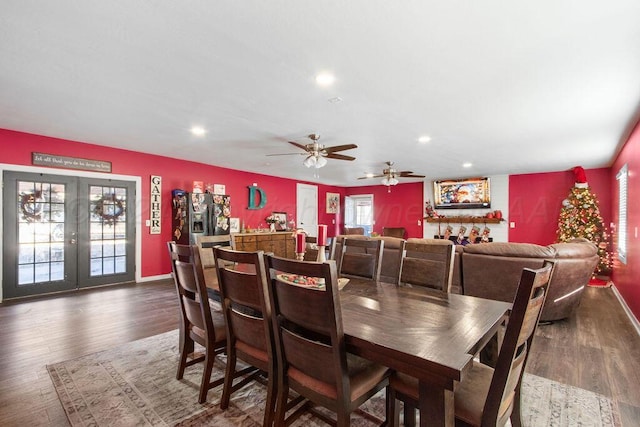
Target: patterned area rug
[(134, 384)]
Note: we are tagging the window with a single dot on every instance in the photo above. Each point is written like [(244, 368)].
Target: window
[(359, 212), (622, 214)]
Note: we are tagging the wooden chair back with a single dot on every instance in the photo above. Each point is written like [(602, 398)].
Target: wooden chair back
[(361, 258), (310, 343), (430, 265), (197, 322), (354, 230), (504, 392), (394, 232), (242, 279), (311, 248)]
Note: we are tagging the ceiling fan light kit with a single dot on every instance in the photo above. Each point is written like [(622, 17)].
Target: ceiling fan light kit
[(390, 175), (315, 160), (389, 180), (317, 154)]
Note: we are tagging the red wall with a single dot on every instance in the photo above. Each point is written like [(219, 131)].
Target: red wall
[(626, 276), (535, 201), (16, 148), (401, 207)]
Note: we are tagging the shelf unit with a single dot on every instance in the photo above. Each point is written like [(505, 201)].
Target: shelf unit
[(465, 220)]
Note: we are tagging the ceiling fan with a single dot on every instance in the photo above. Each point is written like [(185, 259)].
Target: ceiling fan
[(317, 154), (390, 175)]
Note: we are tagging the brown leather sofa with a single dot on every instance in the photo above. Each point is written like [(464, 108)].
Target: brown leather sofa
[(492, 270)]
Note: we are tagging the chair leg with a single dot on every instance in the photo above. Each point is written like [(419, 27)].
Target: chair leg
[(270, 404), (228, 377), (281, 404), (206, 375), (343, 418), (184, 352), (409, 414), (392, 408)]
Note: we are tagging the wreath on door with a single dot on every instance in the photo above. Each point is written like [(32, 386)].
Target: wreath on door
[(109, 208), (31, 205)]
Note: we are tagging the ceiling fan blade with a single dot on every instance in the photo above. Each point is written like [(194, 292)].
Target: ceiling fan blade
[(404, 173), (374, 176), (304, 147), (286, 154), (340, 148), (339, 156), (410, 175)]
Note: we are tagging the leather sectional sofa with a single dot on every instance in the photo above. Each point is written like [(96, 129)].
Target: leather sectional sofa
[(492, 270)]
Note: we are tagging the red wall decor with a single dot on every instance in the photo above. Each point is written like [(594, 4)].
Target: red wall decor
[(400, 207), (535, 201), (16, 148), (626, 275)]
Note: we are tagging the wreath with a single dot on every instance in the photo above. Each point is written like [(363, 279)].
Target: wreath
[(109, 208), (31, 205)]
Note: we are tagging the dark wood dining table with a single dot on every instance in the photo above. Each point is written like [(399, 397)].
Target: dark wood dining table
[(430, 335)]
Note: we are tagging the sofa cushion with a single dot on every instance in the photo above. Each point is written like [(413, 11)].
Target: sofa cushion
[(516, 250)]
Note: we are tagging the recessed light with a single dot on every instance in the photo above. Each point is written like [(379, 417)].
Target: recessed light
[(424, 139), (325, 79), (467, 165), (335, 100), (198, 130)]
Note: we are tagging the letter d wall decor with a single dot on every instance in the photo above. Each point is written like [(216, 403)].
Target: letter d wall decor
[(253, 189)]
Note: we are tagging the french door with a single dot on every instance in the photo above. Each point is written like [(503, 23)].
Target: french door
[(63, 233)]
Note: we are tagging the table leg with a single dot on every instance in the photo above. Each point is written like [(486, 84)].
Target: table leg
[(436, 406)]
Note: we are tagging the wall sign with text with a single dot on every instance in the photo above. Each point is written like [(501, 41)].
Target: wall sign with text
[(155, 197), (53, 161)]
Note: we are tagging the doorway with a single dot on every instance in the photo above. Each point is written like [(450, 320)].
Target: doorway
[(359, 212), (64, 232), (307, 208)]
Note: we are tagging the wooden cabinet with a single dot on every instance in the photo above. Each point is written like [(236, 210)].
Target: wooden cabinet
[(280, 244)]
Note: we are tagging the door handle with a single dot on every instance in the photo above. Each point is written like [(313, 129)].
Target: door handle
[(72, 241)]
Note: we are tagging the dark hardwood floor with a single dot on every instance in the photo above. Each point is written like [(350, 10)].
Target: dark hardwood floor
[(597, 349)]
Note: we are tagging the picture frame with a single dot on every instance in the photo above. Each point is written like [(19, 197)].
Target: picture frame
[(333, 203), (281, 225), (469, 193), (234, 225)]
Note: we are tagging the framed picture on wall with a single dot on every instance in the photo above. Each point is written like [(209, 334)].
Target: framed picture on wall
[(333, 202), (281, 218), (234, 225)]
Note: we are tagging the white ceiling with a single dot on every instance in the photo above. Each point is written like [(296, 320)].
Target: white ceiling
[(513, 87)]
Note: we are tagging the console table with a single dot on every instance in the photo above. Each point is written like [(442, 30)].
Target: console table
[(280, 244)]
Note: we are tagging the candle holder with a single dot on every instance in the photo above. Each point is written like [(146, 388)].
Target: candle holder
[(300, 256), (321, 254)]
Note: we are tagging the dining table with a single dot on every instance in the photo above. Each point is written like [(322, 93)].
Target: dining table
[(428, 334)]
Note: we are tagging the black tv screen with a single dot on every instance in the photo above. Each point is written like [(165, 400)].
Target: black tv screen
[(469, 193)]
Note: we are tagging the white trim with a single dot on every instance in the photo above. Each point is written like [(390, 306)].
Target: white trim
[(632, 318), (152, 278), (86, 174)]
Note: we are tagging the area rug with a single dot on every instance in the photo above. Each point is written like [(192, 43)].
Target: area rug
[(134, 384)]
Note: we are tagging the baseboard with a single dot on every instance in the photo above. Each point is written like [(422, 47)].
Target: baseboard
[(632, 318), (153, 278)]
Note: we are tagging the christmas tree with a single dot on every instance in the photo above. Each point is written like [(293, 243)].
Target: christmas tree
[(580, 217)]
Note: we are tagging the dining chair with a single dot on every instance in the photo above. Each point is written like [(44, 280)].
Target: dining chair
[(206, 244), (392, 257), (311, 248), (428, 263), (488, 396), (361, 258), (247, 312), (310, 345), (394, 232), (198, 323)]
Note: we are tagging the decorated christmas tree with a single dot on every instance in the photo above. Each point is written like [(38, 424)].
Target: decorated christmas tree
[(580, 217)]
